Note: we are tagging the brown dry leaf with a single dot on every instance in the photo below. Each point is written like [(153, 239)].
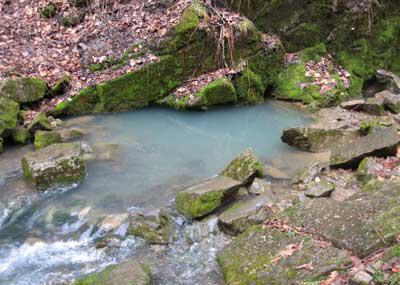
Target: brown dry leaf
[(307, 266), (332, 278)]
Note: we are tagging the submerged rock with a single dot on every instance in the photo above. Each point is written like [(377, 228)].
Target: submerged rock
[(46, 138), (112, 222), (202, 199), (8, 115), (316, 139), (244, 167), (380, 141), (157, 228), (23, 89), (100, 151), (269, 256), (126, 273), (55, 165)]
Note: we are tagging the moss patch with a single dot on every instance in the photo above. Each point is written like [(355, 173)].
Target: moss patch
[(23, 89)]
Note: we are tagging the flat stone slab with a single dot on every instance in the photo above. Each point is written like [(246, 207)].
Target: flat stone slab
[(353, 104), (55, 165), (264, 255), (126, 273), (381, 141), (319, 189), (202, 199), (364, 223)]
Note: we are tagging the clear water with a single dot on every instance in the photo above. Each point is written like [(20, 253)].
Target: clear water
[(159, 151)]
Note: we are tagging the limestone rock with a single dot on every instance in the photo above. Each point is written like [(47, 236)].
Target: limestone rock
[(308, 173), (316, 139), (367, 169), (391, 80), (112, 222), (353, 104), (40, 122), (156, 228), (259, 186), (46, 138), (126, 273), (361, 278), (55, 165), (319, 188), (269, 256), (101, 151), (392, 102), (374, 106), (23, 89), (202, 199), (380, 141), (244, 167), (8, 115), (20, 135)]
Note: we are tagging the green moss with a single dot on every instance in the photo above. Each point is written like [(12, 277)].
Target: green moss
[(8, 115), (249, 87), (20, 135), (23, 89), (40, 122), (366, 127), (61, 86), (49, 11), (45, 138), (197, 206), (395, 251), (61, 217)]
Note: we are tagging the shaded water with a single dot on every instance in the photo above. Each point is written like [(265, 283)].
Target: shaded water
[(158, 152)]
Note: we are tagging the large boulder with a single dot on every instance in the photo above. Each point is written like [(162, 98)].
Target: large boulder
[(390, 79), (245, 167), (316, 139), (202, 199), (23, 89), (126, 273), (156, 228), (264, 255), (381, 141), (8, 115), (55, 165), (364, 223)]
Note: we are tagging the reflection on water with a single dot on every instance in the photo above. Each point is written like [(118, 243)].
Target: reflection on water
[(155, 152)]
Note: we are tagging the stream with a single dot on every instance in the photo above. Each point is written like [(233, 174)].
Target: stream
[(50, 237)]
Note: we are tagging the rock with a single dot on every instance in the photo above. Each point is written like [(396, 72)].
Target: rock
[(61, 86), (55, 165), (220, 91), (391, 101), (126, 273), (202, 199), (276, 173), (40, 122), (46, 138), (249, 87), (308, 173), (72, 18), (364, 223), (380, 142), (20, 135), (319, 188), (49, 11), (1, 145), (244, 214), (259, 186), (8, 115), (23, 89), (264, 255), (244, 167), (353, 105), (316, 139), (391, 80), (156, 228), (361, 278), (71, 134), (367, 169), (112, 222), (374, 106)]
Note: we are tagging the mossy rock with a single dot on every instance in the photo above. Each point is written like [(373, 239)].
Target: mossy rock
[(40, 122), (46, 138), (49, 11), (8, 115), (23, 89), (258, 257), (20, 135), (203, 199), (220, 91), (53, 166), (129, 272), (61, 86), (245, 167), (249, 87)]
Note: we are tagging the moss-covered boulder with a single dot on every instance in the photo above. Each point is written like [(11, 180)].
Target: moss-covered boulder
[(316, 139), (61, 86), (319, 188), (203, 199), (220, 91), (313, 77), (381, 141), (249, 87), (40, 122), (23, 89), (269, 256), (46, 138), (364, 223), (130, 272), (55, 165), (20, 135), (157, 228), (245, 167), (367, 169), (8, 115)]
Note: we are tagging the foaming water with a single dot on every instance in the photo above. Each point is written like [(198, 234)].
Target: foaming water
[(155, 152)]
